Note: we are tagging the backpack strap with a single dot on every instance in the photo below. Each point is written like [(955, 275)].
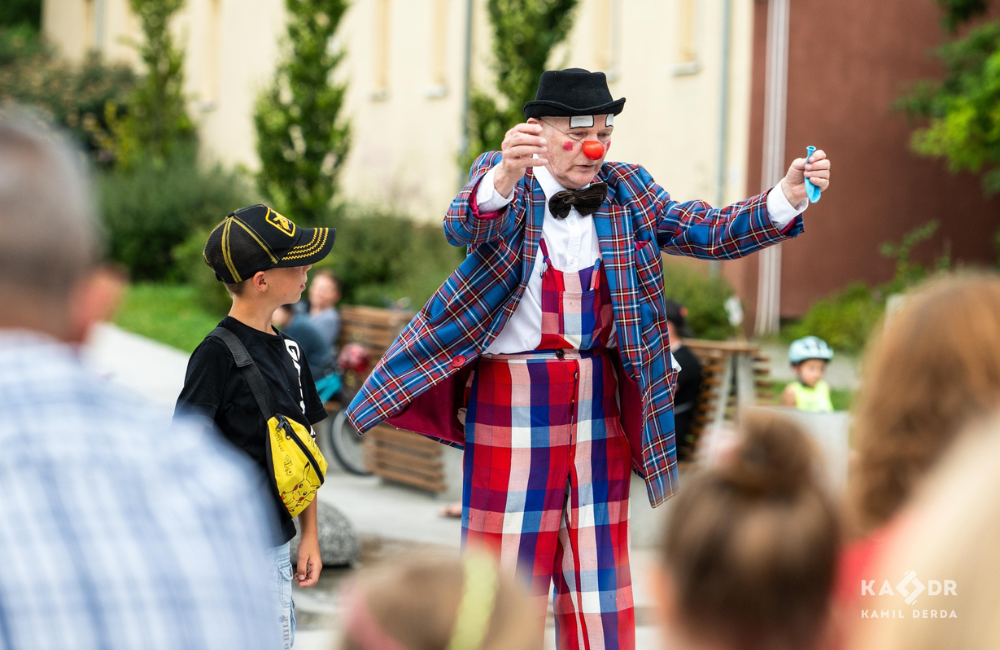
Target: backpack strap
[(259, 388)]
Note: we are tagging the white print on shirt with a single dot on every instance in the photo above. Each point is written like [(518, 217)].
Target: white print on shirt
[(293, 351)]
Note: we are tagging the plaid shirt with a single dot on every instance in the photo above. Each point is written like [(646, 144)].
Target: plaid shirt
[(119, 530), (409, 385)]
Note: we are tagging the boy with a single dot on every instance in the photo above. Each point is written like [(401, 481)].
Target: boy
[(809, 392), (262, 258)]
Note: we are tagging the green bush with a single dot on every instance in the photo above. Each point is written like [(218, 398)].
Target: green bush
[(84, 98), (704, 297), (383, 257), (190, 266), (844, 320), (150, 209)]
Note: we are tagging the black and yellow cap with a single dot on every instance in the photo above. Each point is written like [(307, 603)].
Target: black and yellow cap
[(257, 238)]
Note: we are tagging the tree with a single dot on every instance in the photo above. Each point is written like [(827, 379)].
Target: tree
[(14, 13), (525, 32), (963, 119), (301, 139), (156, 124)]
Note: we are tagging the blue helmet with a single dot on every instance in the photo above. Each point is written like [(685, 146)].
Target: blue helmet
[(810, 347)]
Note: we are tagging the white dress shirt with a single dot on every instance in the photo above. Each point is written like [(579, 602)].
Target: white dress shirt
[(573, 246)]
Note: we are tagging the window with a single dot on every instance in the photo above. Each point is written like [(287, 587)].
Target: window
[(210, 70), (686, 61), (383, 14), (607, 37), (439, 50)]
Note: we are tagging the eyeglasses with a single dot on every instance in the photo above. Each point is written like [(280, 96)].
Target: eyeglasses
[(603, 136)]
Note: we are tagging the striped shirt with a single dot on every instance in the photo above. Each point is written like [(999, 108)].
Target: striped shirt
[(119, 529)]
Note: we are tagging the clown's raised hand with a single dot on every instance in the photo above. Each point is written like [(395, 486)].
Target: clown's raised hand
[(520, 146), (816, 169)]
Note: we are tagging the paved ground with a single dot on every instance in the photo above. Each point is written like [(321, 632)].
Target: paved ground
[(389, 519)]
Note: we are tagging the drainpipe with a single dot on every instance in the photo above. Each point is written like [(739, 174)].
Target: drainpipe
[(775, 106), (467, 91), (715, 266), (99, 26)]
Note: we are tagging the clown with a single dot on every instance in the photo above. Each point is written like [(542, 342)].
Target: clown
[(546, 354)]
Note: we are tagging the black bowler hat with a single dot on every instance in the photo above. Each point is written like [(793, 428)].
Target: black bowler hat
[(257, 238), (574, 91)]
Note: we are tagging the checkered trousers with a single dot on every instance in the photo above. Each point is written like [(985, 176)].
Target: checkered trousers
[(546, 487)]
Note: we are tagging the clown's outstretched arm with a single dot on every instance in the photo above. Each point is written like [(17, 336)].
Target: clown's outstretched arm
[(696, 229), (481, 211)]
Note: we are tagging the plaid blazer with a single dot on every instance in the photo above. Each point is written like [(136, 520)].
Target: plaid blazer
[(419, 384)]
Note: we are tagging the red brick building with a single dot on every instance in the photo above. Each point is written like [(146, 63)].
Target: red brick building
[(848, 61)]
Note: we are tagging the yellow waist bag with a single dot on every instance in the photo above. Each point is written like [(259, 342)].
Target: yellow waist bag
[(297, 465)]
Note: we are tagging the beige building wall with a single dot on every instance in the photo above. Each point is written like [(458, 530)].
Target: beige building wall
[(404, 66)]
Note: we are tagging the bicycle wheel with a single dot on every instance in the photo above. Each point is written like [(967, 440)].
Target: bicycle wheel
[(345, 441)]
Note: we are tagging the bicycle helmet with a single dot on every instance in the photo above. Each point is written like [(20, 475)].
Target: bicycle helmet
[(810, 347)]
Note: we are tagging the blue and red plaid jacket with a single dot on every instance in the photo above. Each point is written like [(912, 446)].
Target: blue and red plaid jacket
[(419, 384)]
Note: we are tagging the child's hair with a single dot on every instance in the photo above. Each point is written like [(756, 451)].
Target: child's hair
[(424, 603), (935, 366), (752, 544), (235, 288)]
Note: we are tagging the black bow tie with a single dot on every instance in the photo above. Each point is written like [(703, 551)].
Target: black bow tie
[(585, 201)]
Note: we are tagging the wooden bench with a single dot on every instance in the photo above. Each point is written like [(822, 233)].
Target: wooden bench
[(735, 373), (394, 455)]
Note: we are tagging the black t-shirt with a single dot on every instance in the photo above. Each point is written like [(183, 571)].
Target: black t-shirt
[(688, 379), (215, 388)]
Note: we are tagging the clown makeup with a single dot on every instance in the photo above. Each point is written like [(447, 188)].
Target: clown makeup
[(578, 134)]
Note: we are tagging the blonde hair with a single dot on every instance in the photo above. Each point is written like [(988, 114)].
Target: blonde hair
[(416, 604), (935, 365), (953, 535), (752, 544)]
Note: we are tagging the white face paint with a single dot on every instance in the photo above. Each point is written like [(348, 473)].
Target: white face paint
[(609, 120), (581, 121)]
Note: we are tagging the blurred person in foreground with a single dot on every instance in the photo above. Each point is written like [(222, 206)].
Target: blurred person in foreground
[(948, 539), (438, 604), (555, 323), (933, 368), (751, 546), (118, 530), (689, 379)]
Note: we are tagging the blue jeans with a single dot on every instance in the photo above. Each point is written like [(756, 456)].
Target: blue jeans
[(280, 565)]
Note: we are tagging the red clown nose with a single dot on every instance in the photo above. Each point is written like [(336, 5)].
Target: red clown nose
[(593, 149)]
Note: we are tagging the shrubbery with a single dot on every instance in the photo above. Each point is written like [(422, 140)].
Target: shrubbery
[(82, 98), (151, 209), (382, 257), (845, 319), (704, 297)]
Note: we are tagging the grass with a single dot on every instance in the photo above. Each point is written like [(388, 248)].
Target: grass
[(167, 313), (841, 398)]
